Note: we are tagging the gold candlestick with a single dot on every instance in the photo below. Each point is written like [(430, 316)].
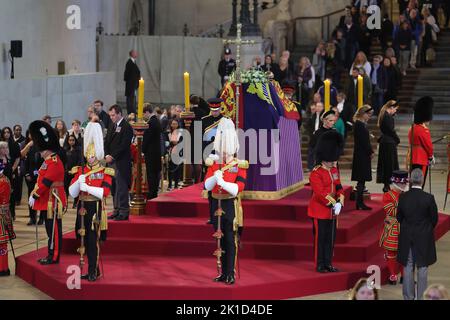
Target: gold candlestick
[(138, 203)]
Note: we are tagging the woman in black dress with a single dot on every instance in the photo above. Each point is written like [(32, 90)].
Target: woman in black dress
[(14, 159), (387, 151), (362, 154), (32, 163)]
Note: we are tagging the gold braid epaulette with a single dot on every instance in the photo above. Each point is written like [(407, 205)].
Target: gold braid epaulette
[(110, 172)]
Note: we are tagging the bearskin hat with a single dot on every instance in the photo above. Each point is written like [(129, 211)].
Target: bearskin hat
[(423, 110), (43, 136), (329, 146)]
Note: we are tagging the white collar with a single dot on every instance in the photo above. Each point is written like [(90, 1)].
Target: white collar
[(416, 187), (118, 122), (132, 59)]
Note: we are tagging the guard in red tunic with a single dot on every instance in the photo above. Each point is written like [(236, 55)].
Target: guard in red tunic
[(226, 179), (49, 196), (327, 199), (92, 183), (420, 138), (6, 226), (391, 229)]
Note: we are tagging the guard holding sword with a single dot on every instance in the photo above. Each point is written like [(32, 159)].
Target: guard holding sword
[(49, 196), (327, 199)]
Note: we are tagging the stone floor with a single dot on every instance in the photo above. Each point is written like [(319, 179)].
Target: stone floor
[(14, 288)]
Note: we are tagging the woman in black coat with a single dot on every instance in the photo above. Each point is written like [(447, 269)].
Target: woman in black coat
[(362, 154), (14, 157), (387, 152)]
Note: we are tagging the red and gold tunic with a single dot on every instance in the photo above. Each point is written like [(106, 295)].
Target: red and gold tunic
[(50, 187), (235, 172), (422, 146), (100, 177), (391, 229), (327, 190), (6, 225)]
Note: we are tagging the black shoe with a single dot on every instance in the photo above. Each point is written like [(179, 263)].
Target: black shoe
[(386, 189), (113, 216), (362, 206), (330, 268), (92, 277), (230, 280), (220, 278), (5, 273), (322, 269), (121, 218), (40, 222), (209, 221), (31, 223), (85, 276), (47, 261), (401, 280)]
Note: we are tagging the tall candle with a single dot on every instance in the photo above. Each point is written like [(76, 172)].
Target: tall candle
[(327, 95), (187, 102), (141, 99), (360, 92)]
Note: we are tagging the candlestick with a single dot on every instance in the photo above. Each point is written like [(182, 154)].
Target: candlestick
[(360, 92), (141, 99), (327, 95), (187, 102)]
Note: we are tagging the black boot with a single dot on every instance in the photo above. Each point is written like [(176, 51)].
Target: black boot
[(386, 188), (359, 199), (5, 273), (230, 280), (220, 278)]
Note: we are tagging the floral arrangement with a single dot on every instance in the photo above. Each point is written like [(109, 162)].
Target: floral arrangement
[(251, 76)]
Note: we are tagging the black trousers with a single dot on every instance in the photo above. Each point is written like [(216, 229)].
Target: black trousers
[(228, 241), (90, 240), (30, 187), (174, 173), (131, 104), (324, 231), (153, 177), (17, 186), (424, 171), (54, 233)]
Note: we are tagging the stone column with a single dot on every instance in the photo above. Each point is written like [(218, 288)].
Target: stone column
[(232, 32)]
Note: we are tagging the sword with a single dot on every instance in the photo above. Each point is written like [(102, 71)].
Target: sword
[(38, 217)]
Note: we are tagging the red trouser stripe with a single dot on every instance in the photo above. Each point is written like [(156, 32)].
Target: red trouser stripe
[(4, 257), (56, 240), (316, 240)]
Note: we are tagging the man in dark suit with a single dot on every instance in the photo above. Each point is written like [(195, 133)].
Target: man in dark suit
[(151, 148), (418, 215), (131, 77), (102, 115), (118, 156)]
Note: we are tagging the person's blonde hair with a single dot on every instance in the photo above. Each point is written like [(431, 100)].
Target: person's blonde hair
[(361, 111), (439, 287), (389, 104), (359, 284), (4, 144)]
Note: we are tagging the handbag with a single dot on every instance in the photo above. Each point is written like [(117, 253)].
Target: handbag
[(430, 55)]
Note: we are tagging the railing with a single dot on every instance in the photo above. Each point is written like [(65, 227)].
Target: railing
[(325, 29)]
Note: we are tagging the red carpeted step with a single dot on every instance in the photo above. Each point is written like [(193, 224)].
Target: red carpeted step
[(144, 277), (189, 203), (350, 225)]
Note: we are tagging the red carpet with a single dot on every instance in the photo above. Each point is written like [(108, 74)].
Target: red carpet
[(167, 254)]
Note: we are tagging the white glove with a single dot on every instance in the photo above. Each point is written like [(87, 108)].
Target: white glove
[(82, 179), (433, 160), (83, 187), (31, 201), (213, 157), (74, 189), (95, 191), (337, 208), (231, 188), (218, 175), (226, 78)]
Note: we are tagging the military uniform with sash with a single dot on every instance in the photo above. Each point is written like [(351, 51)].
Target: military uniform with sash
[(6, 225)]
